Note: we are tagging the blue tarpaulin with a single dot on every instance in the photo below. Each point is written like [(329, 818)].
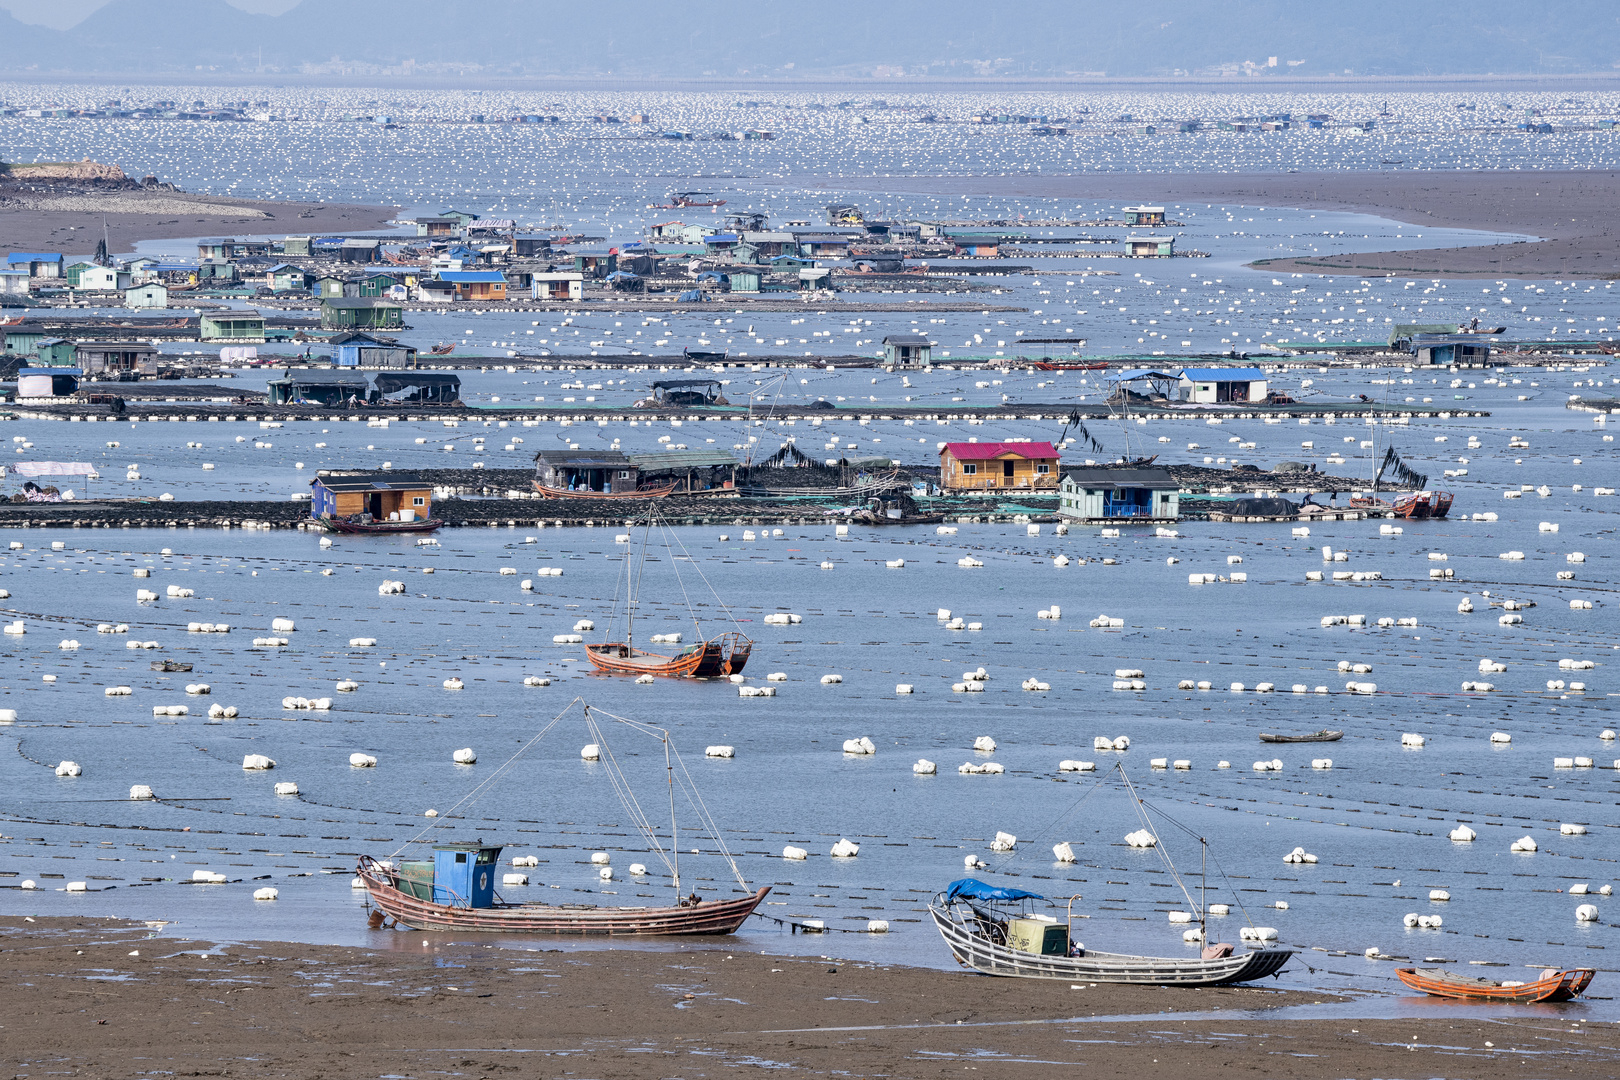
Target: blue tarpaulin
[(974, 889), (690, 296)]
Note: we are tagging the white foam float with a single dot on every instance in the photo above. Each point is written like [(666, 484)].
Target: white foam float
[(1462, 834), (286, 787), (924, 767), (1064, 852), (845, 849), (989, 768), (861, 746), (1141, 838), (720, 751), (796, 854), (69, 768), (257, 762), (464, 756)]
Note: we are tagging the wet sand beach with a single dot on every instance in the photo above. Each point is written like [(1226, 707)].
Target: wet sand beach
[(1576, 214), (70, 221), (102, 998)]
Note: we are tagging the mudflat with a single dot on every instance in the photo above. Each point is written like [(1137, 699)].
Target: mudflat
[(62, 218), (107, 998), (1575, 215)]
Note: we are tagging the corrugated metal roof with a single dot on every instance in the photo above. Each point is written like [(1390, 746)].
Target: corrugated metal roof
[(682, 459), (472, 277), (1104, 476)]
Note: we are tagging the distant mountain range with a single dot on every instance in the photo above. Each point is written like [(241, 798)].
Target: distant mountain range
[(773, 39)]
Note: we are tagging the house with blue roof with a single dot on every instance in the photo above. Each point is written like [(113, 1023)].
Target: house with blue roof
[(475, 284), (38, 264)]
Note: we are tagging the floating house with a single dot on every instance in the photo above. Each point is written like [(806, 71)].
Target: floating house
[(361, 350), (437, 225), (998, 466), (285, 277), (38, 264), (557, 285), (1114, 493), (359, 251), (327, 388), (1211, 386), (386, 496), (1143, 216), (360, 312), (908, 350), (1445, 350), (601, 472), (476, 284), (687, 392), (416, 387), (236, 327), (1148, 247), (691, 471), (154, 294), (103, 279), (14, 282), (54, 351), (978, 245), (47, 382), (133, 358)]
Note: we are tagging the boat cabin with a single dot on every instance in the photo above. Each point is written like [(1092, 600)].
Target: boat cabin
[(458, 875), (386, 496)]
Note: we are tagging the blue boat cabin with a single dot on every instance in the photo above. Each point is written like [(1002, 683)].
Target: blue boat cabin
[(464, 874)]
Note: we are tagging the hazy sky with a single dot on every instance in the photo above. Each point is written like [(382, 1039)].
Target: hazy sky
[(61, 14)]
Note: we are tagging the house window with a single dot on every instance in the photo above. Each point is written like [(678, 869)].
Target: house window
[(418, 500), (1043, 469), (970, 470), (624, 475)]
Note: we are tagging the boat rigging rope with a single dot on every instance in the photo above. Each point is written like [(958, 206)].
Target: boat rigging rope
[(482, 788), (673, 538), (688, 787)]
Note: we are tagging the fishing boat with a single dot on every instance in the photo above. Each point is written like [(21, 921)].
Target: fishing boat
[(456, 889), (1551, 985), (986, 933), (682, 200), (443, 349), (657, 491), (716, 657), (1050, 365), (1421, 505), (366, 525), (1320, 736), (996, 930)]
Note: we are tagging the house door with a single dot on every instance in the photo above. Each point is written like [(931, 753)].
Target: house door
[(1007, 471), (374, 504)]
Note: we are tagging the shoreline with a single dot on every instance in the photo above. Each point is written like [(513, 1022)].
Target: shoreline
[(1576, 214), (70, 222), (419, 1003)]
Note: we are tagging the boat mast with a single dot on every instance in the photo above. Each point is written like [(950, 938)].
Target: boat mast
[(674, 830), (1141, 808)]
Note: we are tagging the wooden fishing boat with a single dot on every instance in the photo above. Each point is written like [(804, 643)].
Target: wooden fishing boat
[(457, 887), (398, 898), (1321, 736), (361, 527), (443, 349), (716, 658), (982, 932), (658, 492), (1050, 365), (1550, 985), (1421, 505)]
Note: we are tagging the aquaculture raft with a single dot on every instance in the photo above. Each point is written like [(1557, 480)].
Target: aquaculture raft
[(1553, 985)]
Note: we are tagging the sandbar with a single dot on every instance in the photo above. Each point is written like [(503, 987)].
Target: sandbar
[(1575, 215)]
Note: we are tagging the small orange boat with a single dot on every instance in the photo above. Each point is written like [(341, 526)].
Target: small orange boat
[(1551, 985)]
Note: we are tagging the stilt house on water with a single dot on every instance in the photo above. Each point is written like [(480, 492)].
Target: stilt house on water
[(386, 496), (1111, 493), (998, 466)]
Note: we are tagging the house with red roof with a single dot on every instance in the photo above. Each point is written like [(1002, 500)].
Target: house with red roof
[(998, 466)]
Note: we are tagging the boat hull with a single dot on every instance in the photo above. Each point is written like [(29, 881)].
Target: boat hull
[(1321, 736), (708, 917), (379, 528), (717, 658), (978, 952), (613, 496), (1560, 986)]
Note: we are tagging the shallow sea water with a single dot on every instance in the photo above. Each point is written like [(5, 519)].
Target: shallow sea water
[(1377, 818)]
